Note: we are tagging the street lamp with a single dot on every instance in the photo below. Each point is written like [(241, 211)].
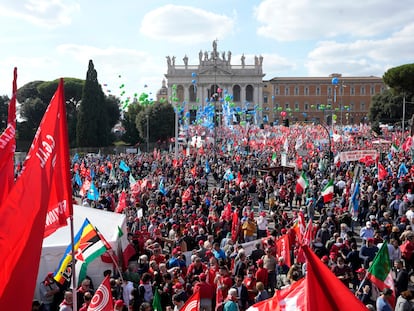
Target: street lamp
[(147, 116)]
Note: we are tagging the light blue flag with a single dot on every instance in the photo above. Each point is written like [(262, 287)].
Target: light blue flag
[(161, 187), (75, 158), (207, 168), (402, 170), (355, 200), (123, 166), (78, 180), (93, 193), (228, 175)]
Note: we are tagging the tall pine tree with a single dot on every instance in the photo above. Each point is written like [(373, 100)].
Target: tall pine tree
[(97, 114)]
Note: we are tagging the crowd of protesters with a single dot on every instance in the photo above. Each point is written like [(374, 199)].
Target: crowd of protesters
[(179, 205)]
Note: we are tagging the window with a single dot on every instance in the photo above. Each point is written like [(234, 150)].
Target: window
[(287, 105), (249, 93), (362, 90), (329, 91), (306, 91), (296, 105), (306, 106), (372, 92), (193, 94), (342, 90), (351, 106), (180, 93), (277, 91), (318, 91), (362, 105), (236, 93), (286, 90), (352, 91), (265, 99), (296, 90)]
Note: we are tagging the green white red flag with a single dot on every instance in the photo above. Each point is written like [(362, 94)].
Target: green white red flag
[(302, 183), (328, 192)]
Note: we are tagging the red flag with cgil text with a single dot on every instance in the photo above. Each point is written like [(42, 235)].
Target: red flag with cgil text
[(8, 146), (42, 188)]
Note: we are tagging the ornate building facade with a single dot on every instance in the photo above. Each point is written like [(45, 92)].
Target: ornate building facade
[(213, 76), (343, 100)]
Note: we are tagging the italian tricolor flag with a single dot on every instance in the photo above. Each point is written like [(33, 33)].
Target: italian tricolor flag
[(394, 148), (302, 183), (328, 192), (380, 271)]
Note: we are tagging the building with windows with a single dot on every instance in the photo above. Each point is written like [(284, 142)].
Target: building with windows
[(345, 100)]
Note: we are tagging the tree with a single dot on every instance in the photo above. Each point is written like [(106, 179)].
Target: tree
[(131, 135), (96, 113), (4, 109), (161, 121), (400, 79)]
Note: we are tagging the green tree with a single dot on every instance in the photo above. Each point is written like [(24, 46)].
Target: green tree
[(160, 122), (131, 135), (4, 109), (97, 115), (400, 79)]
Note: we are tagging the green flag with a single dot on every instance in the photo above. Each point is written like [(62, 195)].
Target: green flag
[(156, 302), (120, 232), (379, 271)]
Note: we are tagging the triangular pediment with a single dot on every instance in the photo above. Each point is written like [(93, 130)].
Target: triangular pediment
[(213, 71)]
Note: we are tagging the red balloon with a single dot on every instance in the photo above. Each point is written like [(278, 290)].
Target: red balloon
[(283, 114)]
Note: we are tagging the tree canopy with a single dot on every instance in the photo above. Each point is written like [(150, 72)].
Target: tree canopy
[(400, 79)]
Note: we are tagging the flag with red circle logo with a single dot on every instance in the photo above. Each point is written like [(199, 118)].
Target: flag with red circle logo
[(102, 300)]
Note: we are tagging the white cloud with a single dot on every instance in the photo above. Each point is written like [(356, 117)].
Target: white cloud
[(50, 13), (186, 24), (307, 20), (362, 57)]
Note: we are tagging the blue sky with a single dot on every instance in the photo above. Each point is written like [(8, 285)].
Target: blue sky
[(129, 40)]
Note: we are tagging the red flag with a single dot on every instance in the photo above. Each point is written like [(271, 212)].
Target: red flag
[(187, 195), (306, 240), (122, 203), (44, 183), (283, 248), (382, 172), (235, 225), (239, 178), (290, 298), (192, 303), (329, 294), (219, 295), (8, 145), (102, 299)]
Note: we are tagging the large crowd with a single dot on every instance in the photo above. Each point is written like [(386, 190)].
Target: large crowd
[(185, 238)]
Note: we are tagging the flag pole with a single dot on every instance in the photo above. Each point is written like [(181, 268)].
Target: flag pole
[(74, 285)]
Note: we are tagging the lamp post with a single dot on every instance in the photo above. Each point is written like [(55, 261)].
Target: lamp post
[(147, 116)]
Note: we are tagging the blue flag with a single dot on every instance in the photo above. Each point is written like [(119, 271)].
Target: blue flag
[(402, 170), (93, 193), (207, 169), (75, 158), (161, 187), (78, 180), (92, 173), (228, 175), (355, 200), (123, 166)]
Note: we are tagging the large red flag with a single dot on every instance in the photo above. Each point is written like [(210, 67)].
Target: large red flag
[(102, 299), (324, 291), (122, 202), (8, 145), (44, 182), (306, 240)]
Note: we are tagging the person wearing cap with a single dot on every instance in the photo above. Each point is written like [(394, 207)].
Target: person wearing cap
[(367, 231), (261, 273), (195, 269), (206, 292), (118, 305), (249, 228), (368, 252), (364, 289), (262, 225), (48, 289), (180, 292), (383, 301)]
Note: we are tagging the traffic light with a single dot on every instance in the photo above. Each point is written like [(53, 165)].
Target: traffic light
[(286, 122)]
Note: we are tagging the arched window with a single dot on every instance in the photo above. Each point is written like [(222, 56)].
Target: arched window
[(249, 93), (193, 94), (180, 93), (236, 93)]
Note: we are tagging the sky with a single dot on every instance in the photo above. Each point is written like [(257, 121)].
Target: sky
[(129, 40)]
